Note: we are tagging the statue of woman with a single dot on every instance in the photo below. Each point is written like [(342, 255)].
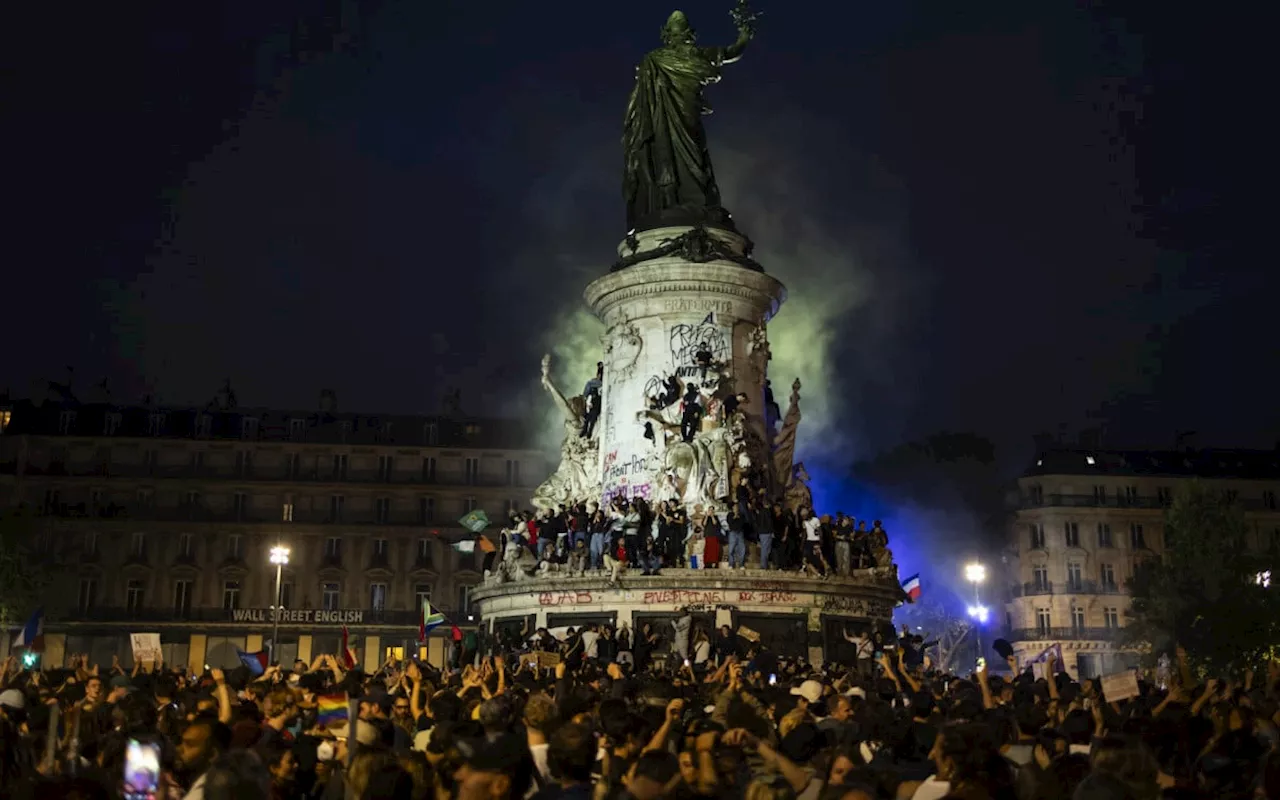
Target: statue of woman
[(575, 480), (667, 177)]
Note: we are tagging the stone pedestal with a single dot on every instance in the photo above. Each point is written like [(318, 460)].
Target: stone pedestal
[(794, 615), (660, 314)]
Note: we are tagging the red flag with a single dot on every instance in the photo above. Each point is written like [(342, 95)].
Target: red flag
[(348, 657)]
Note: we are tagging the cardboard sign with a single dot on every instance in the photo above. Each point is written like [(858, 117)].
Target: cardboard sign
[(1120, 686), (748, 634), (146, 647), (540, 659)]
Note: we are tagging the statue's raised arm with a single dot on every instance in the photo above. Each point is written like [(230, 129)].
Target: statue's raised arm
[(744, 19), (561, 403)]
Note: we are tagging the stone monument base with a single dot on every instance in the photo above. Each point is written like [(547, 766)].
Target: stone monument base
[(791, 613)]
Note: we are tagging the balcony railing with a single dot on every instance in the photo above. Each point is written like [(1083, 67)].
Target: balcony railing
[(1031, 589), (1063, 634), (187, 512), (382, 616), (1089, 501), (1039, 588), (1120, 501)]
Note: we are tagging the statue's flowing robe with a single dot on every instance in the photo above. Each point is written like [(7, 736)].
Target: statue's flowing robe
[(668, 168), (784, 445)]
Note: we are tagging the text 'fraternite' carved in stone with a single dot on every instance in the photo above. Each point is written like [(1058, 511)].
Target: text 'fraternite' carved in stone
[(699, 304)]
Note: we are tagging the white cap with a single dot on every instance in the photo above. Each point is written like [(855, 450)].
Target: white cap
[(12, 698), (810, 690)]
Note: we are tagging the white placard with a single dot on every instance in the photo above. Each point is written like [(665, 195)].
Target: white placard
[(146, 647), (1120, 686)]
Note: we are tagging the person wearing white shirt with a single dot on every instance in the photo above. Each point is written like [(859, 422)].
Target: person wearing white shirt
[(813, 560), (590, 643)]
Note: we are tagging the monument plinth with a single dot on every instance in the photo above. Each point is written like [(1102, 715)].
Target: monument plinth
[(793, 614), (684, 335)]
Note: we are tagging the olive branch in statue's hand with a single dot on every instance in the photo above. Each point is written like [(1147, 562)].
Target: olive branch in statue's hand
[(744, 18)]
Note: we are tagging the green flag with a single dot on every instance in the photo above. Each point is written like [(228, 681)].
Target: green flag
[(475, 521)]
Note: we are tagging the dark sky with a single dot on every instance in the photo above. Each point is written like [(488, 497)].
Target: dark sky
[(1001, 215)]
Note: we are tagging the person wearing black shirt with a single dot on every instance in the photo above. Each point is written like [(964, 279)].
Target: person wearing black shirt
[(726, 643), (762, 518), (606, 646), (690, 414)]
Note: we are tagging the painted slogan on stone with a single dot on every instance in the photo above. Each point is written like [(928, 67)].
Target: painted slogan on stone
[(665, 392), (695, 347)]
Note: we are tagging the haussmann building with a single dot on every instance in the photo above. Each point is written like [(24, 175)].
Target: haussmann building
[(1088, 517), (162, 520)]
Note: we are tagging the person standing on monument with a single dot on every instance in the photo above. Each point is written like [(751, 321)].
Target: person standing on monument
[(591, 397), (631, 530), (598, 528), (844, 544), (762, 516), (690, 413), (737, 539)]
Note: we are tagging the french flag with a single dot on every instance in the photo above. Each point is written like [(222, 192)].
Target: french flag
[(31, 637), (912, 587)]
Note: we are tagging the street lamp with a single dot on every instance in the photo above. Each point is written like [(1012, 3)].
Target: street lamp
[(975, 573), (279, 557)]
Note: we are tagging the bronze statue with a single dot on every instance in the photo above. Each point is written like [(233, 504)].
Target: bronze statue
[(668, 179)]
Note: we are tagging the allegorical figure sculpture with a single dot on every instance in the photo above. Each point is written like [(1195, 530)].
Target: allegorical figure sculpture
[(667, 178), (576, 479)]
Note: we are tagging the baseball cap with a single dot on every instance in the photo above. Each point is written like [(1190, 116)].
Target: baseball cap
[(810, 690), (13, 699)]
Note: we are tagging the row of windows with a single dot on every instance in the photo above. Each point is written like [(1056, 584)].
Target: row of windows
[(158, 423), (1044, 621), (234, 547), (1075, 577), (232, 591), (242, 505), (295, 468), (1071, 535), (1129, 495)]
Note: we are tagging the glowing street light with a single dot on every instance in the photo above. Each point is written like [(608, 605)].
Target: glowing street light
[(980, 613), (975, 573), (279, 557), (1264, 579)]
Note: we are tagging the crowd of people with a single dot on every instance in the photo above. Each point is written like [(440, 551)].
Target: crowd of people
[(628, 533), (741, 724)]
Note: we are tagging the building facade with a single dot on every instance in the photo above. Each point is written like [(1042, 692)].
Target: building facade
[(1086, 519), (163, 519)]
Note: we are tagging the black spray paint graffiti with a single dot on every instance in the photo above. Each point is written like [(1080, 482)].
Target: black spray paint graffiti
[(687, 341)]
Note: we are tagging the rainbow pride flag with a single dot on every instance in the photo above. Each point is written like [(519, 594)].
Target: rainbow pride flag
[(331, 710)]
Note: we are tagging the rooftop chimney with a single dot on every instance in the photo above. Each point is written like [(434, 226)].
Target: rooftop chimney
[(328, 401)]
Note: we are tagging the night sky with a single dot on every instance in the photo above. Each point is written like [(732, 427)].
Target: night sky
[(991, 216)]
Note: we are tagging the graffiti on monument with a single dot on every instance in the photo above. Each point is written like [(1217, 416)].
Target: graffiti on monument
[(625, 478), (857, 605), (565, 598), (690, 343), (768, 598)]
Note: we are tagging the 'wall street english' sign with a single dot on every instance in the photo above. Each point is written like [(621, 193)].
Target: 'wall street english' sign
[(300, 616)]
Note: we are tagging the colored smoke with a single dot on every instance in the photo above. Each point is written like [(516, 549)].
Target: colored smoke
[(848, 283)]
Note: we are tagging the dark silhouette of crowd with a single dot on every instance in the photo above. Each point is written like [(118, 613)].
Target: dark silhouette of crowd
[(731, 721)]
